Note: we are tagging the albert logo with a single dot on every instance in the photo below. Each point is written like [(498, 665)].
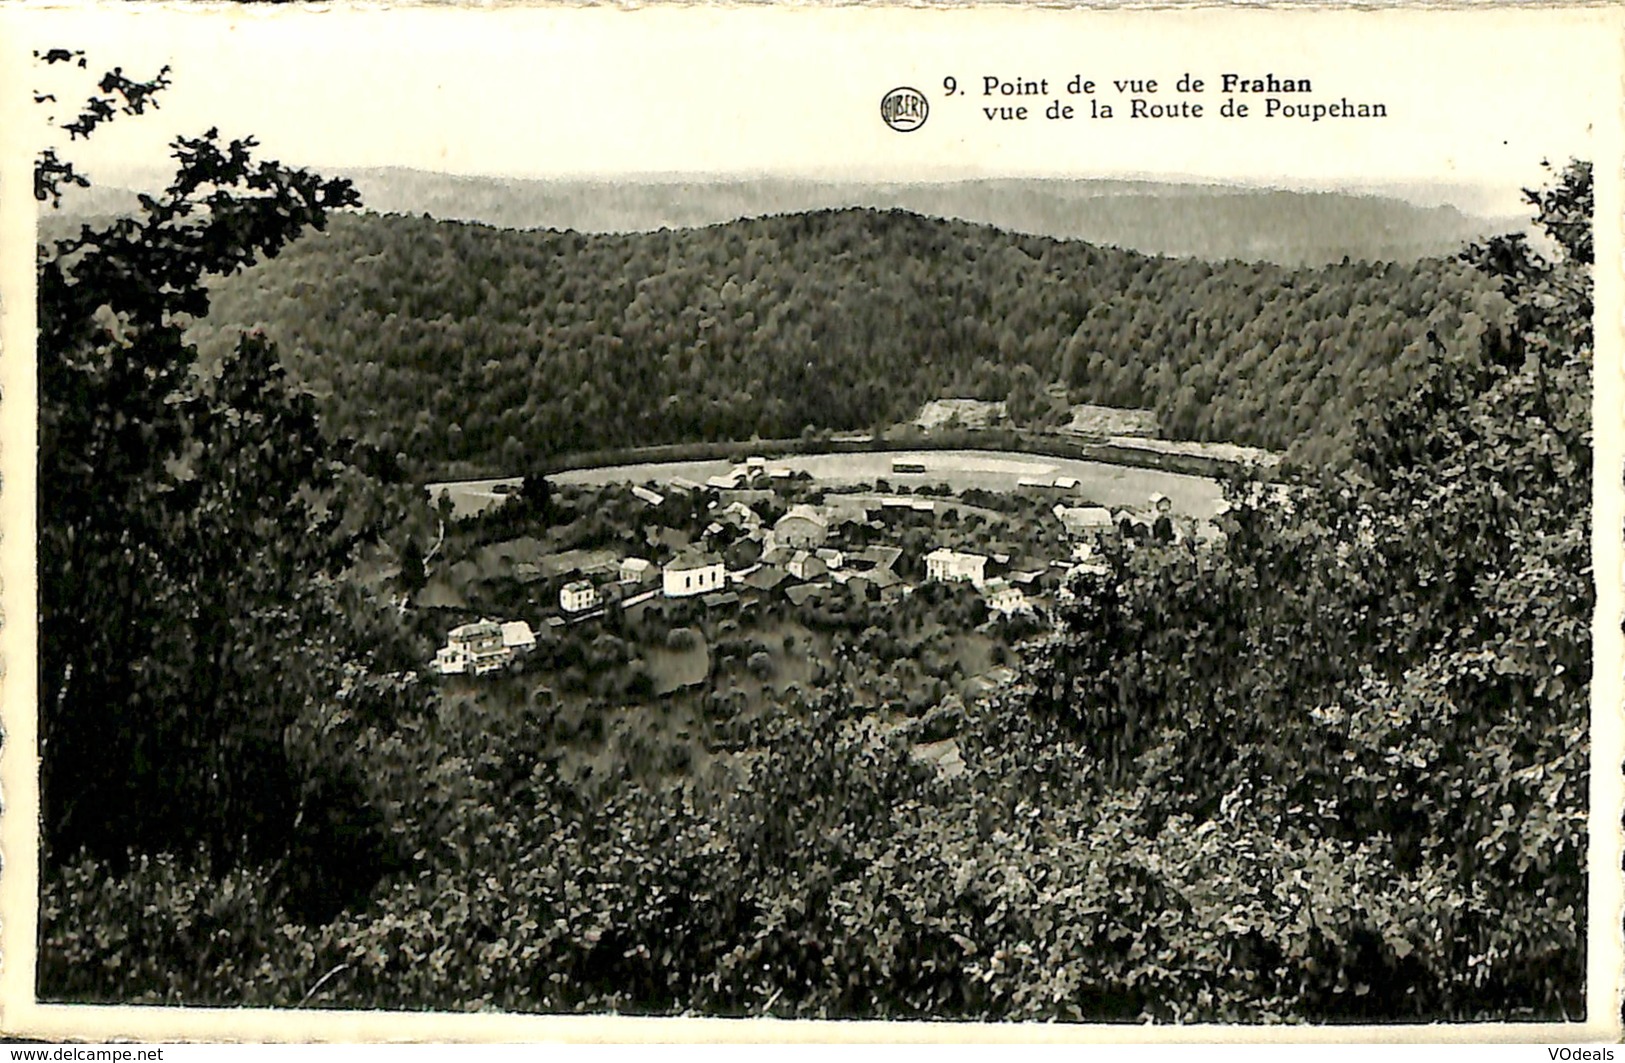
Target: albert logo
[(904, 109)]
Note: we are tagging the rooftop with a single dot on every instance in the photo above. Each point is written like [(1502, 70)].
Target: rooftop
[(805, 512), (692, 559), (803, 591), (765, 578), (942, 553)]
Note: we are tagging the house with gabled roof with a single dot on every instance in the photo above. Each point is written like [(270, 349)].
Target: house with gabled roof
[(518, 637), (802, 593), (692, 572), (806, 566), (1005, 598), (1078, 521), (801, 528)]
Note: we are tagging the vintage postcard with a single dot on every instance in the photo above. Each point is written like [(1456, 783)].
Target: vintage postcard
[(565, 522)]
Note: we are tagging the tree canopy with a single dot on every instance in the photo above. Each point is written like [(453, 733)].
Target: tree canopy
[(191, 517), (462, 348), (1384, 673)]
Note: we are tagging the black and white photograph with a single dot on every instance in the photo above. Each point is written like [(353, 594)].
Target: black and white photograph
[(899, 516)]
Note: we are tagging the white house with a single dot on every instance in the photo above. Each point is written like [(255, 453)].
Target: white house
[(473, 649), (830, 556), (578, 596), (635, 569), (951, 565), (692, 572), (1004, 598), (517, 637), (653, 498)]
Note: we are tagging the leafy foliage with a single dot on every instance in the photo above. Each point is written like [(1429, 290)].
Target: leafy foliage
[(191, 520), (1397, 657)]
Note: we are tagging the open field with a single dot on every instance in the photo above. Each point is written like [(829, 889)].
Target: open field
[(1102, 483)]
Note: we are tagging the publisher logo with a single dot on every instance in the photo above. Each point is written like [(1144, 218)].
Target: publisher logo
[(904, 109)]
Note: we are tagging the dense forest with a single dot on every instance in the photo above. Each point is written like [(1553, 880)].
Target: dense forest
[(457, 346)]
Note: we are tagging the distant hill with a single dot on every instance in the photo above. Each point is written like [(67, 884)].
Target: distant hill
[(1214, 222)]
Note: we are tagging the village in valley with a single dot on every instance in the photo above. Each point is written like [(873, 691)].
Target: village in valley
[(806, 555), (763, 585)]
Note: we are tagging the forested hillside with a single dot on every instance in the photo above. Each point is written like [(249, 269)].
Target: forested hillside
[(461, 345)]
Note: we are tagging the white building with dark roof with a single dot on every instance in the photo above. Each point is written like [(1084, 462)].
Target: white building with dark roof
[(692, 572)]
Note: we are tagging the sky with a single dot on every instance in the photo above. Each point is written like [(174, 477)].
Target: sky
[(1475, 99)]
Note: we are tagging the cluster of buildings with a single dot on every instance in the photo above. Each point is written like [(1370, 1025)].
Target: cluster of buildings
[(753, 470), (1154, 521), (483, 646), (1004, 594), (796, 552)]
